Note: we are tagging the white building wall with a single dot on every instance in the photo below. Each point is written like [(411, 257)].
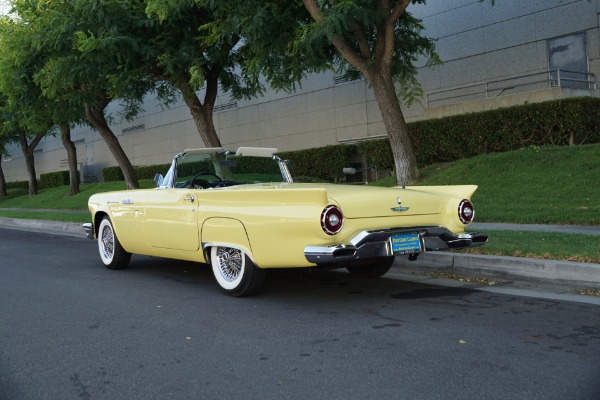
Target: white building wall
[(477, 42)]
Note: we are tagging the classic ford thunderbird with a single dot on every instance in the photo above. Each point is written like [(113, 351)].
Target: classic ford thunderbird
[(242, 223)]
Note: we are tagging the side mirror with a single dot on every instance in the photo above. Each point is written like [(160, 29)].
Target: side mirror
[(158, 179), (349, 171)]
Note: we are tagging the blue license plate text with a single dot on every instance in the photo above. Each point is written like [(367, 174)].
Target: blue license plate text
[(407, 243)]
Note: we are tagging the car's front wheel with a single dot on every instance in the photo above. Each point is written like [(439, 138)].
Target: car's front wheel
[(111, 252), (235, 272), (371, 268)]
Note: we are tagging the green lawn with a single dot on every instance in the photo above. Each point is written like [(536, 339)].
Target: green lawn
[(56, 198), (548, 185), (536, 185), (548, 245)]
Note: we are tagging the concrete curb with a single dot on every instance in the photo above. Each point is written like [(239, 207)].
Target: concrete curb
[(573, 274), (56, 227)]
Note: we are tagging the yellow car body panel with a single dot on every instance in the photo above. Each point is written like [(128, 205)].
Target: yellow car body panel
[(271, 222)]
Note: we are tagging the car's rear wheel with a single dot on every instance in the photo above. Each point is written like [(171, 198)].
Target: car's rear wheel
[(235, 272), (371, 268), (111, 252)]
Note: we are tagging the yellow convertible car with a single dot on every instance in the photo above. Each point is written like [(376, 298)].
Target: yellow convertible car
[(213, 207)]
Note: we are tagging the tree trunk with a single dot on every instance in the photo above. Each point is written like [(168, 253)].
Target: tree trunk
[(202, 114), (395, 125), (97, 120), (27, 149), (3, 191), (65, 135)]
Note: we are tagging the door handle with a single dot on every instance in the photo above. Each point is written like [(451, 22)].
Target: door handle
[(190, 199)]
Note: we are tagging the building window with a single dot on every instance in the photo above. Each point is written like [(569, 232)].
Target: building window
[(568, 61), (134, 128)]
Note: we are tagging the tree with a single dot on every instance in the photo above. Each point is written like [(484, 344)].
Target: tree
[(22, 111), (193, 45), (20, 61), (376, 39), (3, 142), (13, 128), (90, 76), (382, 41), (28, 143), (65, 137)]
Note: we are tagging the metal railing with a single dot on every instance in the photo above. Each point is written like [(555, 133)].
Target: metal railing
[(533, 81)]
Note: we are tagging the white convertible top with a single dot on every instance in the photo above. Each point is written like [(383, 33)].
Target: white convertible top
[(206, 150), (242, 151), (256, 151)]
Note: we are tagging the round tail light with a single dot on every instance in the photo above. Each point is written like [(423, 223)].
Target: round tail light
[(466, 212), (332, 220)]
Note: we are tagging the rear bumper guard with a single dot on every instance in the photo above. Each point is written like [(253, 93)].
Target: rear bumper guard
[(371, 244)]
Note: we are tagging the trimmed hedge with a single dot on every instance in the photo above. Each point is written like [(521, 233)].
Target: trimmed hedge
[(324, 163), (54, 179), (558, 122), (111, 174), (18, 185)]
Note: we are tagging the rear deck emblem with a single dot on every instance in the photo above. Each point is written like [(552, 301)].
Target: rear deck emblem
[(399, 208)]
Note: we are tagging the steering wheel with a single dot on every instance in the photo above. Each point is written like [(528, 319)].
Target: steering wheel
[(197, 183)]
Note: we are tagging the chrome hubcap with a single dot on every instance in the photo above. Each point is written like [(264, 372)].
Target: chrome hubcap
[(230, 263)]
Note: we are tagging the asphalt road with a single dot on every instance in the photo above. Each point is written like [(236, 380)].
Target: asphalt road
[(71, 329)]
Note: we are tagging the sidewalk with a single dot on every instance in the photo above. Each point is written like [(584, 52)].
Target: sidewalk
[(570, 274), (493, 226)]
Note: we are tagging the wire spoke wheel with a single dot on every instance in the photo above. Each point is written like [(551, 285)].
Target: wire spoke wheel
[(111, 252), (235, 272), (107, 242), (230, 262)]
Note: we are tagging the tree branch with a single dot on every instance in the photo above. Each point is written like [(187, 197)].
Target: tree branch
[(398, 10), (389, 34), (345, 49), (212, 88), (363, 43)]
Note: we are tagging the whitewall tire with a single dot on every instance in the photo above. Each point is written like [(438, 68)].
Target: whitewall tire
[(235, 272), (112, 253)]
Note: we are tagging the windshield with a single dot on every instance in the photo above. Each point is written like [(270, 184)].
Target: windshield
[(204, 171)]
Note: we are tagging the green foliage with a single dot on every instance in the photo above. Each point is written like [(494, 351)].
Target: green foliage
[(251, 165), (18, 185), (377, 154), (548, 123), (370, 38), (148, 172), (325, 163), (461, 136), (193, 168), (54, 179), (114, 174)]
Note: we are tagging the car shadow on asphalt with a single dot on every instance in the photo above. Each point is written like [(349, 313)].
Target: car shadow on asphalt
[(296, 282)]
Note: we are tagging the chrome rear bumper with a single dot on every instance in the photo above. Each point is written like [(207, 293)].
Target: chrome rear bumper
[(371, 244)]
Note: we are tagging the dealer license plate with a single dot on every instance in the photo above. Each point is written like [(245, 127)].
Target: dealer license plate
[(408, 243)]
